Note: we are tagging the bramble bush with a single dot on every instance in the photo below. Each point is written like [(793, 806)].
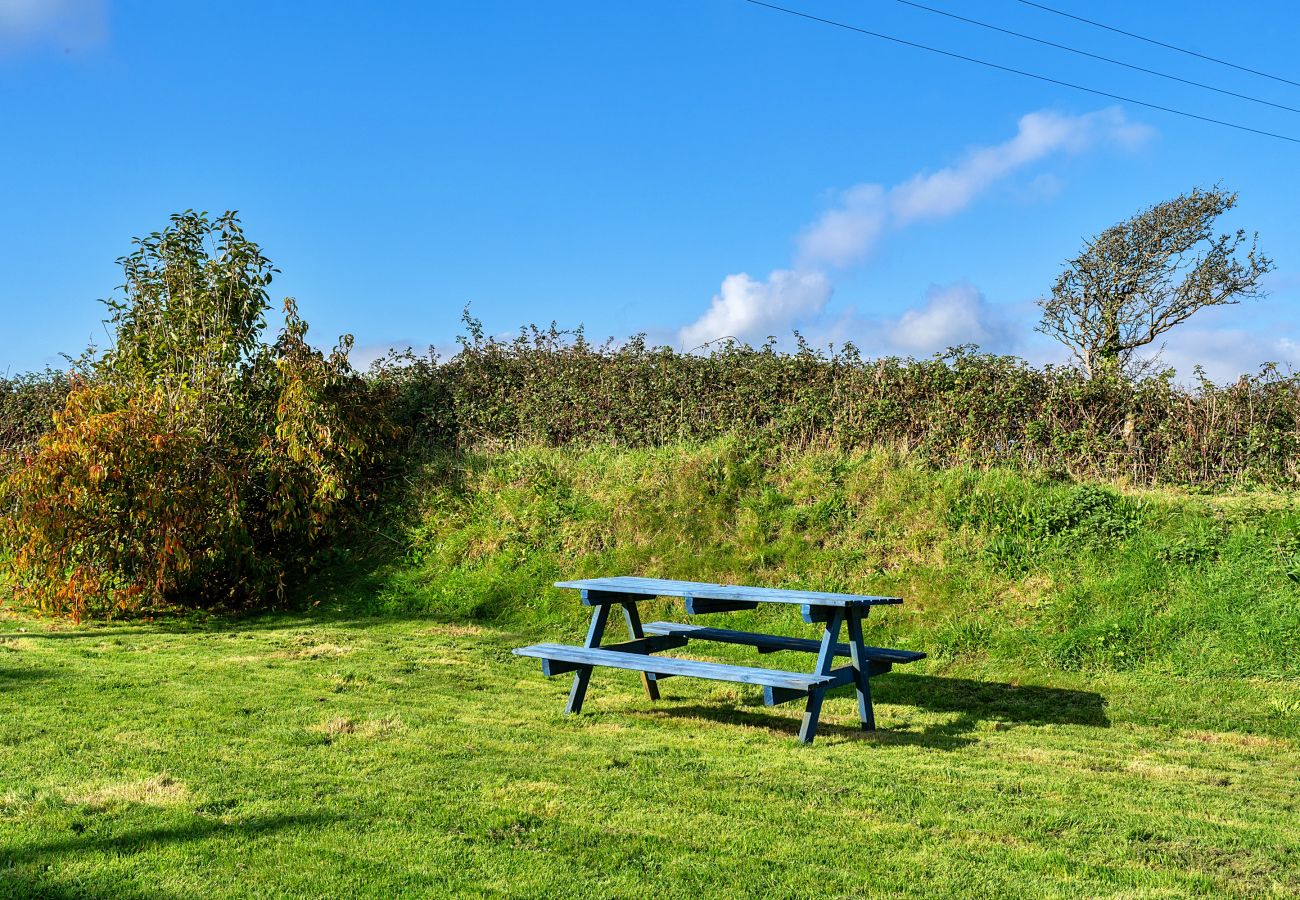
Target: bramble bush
[(553, 388), (193, 463), (27, 406), (963, 407)]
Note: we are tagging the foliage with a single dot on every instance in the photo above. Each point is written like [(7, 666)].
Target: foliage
[(198, 465), (27, 406), (1140, 278), (551, 388)]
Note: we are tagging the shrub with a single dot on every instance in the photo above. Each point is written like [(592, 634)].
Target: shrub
[(552, 388), (199, 465), (27, 407)]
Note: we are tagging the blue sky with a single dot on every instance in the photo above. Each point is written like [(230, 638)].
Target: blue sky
[(685, 169)]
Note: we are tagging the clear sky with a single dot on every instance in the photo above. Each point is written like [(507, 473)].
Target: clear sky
[(685, 168)]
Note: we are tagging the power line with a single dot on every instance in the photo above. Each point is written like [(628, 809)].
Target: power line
[(993, 65), (1213, 59), (1114, 62)]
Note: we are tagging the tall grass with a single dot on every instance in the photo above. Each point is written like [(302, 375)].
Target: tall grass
[(994, 564)]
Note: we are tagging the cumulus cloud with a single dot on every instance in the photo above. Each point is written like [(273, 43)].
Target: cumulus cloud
[(953, 315), (71, 24), (1225, 353), (845, 234), (748, 309), (946, 316)]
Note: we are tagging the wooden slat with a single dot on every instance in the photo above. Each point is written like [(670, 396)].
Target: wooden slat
[(772, 643), (773, 696), (663, 587), (667, 665), (652, 644)]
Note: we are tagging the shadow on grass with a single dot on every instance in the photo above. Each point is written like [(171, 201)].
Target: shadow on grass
[(13, 679), (142, 839), (974, 702), (995, 701)]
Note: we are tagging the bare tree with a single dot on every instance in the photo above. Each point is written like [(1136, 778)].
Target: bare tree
[(1140, 278)]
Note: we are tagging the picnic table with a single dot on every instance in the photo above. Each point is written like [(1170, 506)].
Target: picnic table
[(832, 611)]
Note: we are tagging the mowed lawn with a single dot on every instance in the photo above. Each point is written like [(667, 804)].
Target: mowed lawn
[(321, 756)]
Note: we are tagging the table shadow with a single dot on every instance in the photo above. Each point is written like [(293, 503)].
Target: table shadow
[(974, 702)]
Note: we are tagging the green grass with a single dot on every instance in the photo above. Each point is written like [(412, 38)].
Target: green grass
[(322, 756), (1111, 708)]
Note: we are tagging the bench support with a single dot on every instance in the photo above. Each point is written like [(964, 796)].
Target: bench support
[(861, 670), (582, 677), (637, 643), (825, 659), (634, 632)]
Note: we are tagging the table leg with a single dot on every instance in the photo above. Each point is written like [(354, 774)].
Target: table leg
[(582, 677), (862, 674), (825, 660), (634, 632)]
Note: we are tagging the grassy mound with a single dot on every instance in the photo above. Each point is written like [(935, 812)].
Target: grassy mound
[(997, 568)]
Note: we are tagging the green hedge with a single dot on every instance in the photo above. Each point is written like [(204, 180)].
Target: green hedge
[(27, 407), (961, 408), (548, 388)]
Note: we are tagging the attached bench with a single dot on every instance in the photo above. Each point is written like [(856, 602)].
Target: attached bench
[(775, 643), (558, 659), (779, 686)]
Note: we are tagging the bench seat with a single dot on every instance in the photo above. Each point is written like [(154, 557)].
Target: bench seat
[(666, 665), (772, 643)]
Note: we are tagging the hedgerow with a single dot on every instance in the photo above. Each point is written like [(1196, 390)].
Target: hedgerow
[(962, 407)]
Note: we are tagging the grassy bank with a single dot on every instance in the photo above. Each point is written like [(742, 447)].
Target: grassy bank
[(997, 568), (1111, 706)]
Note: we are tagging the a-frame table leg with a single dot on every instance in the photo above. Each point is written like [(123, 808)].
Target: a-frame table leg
[(634, 632), (861, 670), (582, 677), (825, 659)]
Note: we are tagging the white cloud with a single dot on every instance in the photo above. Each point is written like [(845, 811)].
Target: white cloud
[(71, 24), (845, 234), (947, 316), (1225, 353), (748, 309), (1039, 135), (953, 315)]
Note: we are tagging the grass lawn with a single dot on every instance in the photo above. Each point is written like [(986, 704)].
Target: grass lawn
[(320, 755)]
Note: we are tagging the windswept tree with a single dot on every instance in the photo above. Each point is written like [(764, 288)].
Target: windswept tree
[(1139, 278)]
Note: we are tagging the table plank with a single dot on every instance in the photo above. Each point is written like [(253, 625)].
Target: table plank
[(663, 587)]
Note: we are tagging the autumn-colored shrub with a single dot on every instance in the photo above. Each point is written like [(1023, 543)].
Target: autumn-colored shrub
[(195, 464)]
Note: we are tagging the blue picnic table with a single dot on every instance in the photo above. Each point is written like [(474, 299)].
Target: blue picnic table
[(832, 611)]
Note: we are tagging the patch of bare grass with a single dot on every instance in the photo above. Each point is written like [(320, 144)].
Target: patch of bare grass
[(158, 790)]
